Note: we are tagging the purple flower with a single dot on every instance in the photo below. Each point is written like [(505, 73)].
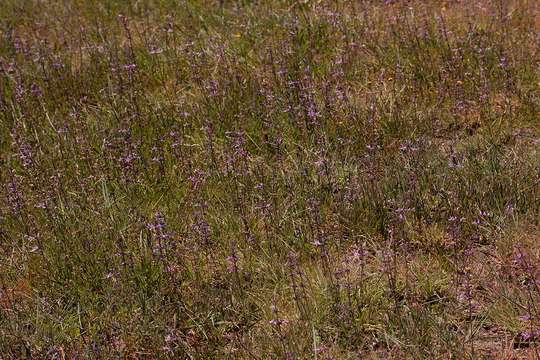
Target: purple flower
[(278, 322), (197, 178), (232, 261), (530, 335), (202, 228), (14, 196), (526, 317), (158, 229), (130, 67)]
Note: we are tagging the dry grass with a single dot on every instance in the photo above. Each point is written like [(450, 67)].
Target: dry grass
[(268, 180)]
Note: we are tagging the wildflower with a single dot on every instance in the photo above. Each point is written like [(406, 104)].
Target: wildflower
[(277, 322), (14, 196), (155, 50), (197, 179), (156, 156), (41, 205), (232, 260), (317, 243), (20, 91), (202, 228), (25, 154), (158, 229), (130, 67), (36, 90), (530, 335), (313, 114)]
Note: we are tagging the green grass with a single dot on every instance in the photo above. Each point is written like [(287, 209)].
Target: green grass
[(275, 179)]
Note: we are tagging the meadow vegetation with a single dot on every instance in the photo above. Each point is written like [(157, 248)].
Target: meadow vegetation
[(269, 179)]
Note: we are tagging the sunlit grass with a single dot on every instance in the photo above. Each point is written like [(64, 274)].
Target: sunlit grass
[(275, 179)]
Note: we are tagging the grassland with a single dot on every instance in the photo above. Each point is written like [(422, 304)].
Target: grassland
[(269, 179)]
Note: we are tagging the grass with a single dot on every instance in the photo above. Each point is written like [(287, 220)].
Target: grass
[(268, 180)]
